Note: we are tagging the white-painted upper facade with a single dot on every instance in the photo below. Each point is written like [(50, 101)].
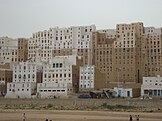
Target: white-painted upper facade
[(153, 30), (59, 69), (152, 82), (8, 47), (25, 72), (40, 46), (86, 77), (74, 37)]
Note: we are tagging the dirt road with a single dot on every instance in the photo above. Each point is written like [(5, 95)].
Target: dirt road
[(33, 115)]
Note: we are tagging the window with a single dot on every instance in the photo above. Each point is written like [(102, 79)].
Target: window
[(33, 76), (56, 75), (19, 76), (49, 75), (60, 65), (24, 76)]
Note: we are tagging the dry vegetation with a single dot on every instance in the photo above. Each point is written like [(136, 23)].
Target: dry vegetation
[(80, 109), (154, 105)]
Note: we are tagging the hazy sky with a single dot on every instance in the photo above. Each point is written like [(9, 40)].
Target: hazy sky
[(20, 18)]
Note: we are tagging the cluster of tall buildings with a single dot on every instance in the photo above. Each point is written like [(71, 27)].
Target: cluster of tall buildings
[(62, 61)]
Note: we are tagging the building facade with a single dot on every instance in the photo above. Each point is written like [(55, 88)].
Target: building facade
[(123, 92), (39, 47), (5, 77), (103, 55), (13, 50), (58, 76), (152, 86), (151, 52), (9, 50), (54, 90), (127, 54), (74, 40), (22, 49), (25, 77), (90, 78), (21, 90), (86, 80)]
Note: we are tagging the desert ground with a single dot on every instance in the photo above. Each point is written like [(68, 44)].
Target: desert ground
[(80, 109), (59, 115)]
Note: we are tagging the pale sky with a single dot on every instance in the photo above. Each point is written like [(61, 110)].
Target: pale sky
[(21, 18)]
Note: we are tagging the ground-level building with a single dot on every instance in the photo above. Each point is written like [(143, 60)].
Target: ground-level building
[(25, 77), (126, 92), (123, 92), (54, 90), (60, 77), (63, 69), (151, 86), (86, 80), (90, 78), (20, 90)]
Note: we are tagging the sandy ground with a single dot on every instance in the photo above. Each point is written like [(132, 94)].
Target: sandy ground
[(63, 115)]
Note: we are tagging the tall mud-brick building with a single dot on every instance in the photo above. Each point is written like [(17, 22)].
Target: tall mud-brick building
[(127, 54)]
